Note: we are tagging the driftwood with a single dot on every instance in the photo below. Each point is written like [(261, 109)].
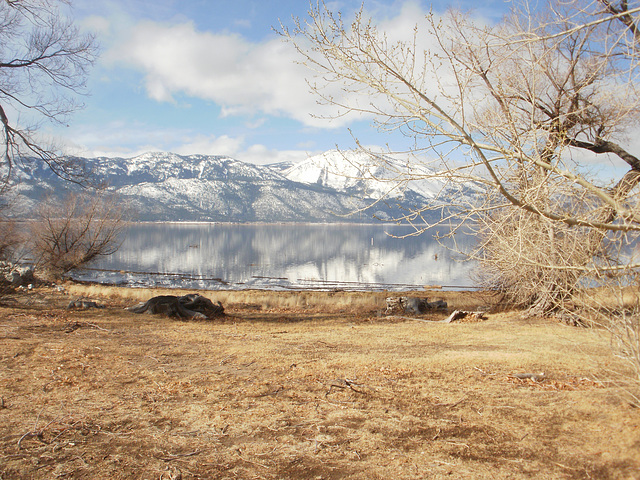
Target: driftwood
[(460, 314), (413, 305), (192, 306)]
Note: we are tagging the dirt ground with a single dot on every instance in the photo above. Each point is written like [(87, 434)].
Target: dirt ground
[(303, 390)]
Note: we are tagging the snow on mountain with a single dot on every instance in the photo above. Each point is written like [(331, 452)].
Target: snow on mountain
[(169, 187), (373, 176)]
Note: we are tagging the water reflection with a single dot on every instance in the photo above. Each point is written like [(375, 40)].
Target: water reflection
[(287, 256)]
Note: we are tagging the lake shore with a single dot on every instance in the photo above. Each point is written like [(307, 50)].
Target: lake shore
[(304, 385)]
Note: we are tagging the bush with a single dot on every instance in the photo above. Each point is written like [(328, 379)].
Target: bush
[(75, 232)]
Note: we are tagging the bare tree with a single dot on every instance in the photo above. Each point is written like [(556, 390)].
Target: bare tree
[(520, 108), (71, 234), (44, 61), (510, 107)]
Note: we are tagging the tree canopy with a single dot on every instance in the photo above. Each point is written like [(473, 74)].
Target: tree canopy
[(520, 101)]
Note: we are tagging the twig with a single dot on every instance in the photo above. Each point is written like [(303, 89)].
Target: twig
[(225, 359), (440, 462), (274, 393), (250, 461), (73, 326), (28, 434), (96, 326), (223, 430), (34, 432), (266, 453), (345, 383), (64, 430), (457, 444), (564, 466), (170, 456), (483, 372)]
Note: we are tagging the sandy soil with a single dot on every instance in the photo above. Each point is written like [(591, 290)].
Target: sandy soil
[(303, 390)]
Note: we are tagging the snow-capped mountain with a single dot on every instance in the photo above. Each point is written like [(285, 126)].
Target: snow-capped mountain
[(372, 176), (171, 187)]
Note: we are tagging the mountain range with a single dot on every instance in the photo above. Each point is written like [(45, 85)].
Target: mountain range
[(332, 187)]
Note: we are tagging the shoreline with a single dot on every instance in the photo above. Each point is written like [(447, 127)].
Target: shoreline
[(269, 283)]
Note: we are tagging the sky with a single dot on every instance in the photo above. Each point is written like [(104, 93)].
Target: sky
[(214, 77)]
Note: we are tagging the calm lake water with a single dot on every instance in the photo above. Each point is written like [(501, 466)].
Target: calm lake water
[(232, 256)]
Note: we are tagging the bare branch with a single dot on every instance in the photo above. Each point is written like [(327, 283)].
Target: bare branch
[(44, 62)]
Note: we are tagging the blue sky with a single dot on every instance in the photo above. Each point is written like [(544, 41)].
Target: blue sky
[(212, 77)]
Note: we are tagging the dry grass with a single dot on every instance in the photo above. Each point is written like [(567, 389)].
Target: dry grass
[(110, 394), (613, 297), (267, 299)]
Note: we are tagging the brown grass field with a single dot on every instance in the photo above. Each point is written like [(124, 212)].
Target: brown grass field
[(304, 385)]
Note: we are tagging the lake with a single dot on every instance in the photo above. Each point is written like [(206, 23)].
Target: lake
[(281, 256)]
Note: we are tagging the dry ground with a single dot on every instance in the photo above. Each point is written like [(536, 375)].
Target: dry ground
[(303, 385)]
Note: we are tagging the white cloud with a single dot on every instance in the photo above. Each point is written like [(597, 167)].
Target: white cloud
[(210, 145), (118, 139), (121, 139), (96, 24), (235, 147), (240, 76), (261, 155), (257, 123)]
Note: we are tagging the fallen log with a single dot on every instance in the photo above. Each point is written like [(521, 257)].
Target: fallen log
[(413, 305), (192, 306), (464, 314)]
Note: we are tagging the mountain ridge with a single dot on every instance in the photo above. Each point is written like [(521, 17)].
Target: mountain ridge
[(164, 186)]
